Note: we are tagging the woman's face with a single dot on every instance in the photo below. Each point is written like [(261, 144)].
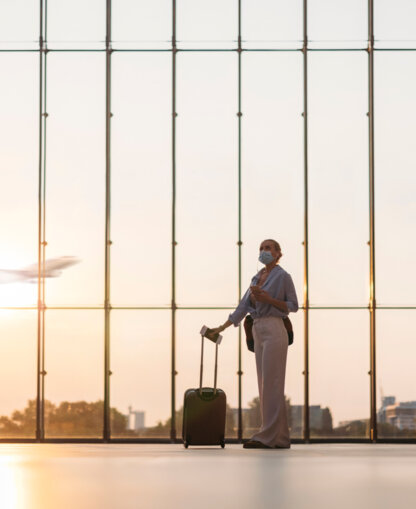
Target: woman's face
[(266, 245)]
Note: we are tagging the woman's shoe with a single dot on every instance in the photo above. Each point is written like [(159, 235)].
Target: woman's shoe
[(255, 444)]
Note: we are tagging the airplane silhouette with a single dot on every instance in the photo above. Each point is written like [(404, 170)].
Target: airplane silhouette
[(53, 268)]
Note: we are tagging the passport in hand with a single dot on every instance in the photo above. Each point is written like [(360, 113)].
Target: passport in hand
[(209, 334)]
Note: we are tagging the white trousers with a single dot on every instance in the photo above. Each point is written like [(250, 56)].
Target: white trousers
[(270, 348)]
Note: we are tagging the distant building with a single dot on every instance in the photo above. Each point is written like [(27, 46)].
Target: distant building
[(296, 418), (402, 415), (135, 419), (343, 424), (319, 418), (385, 402), (245, 416), (389, 400)]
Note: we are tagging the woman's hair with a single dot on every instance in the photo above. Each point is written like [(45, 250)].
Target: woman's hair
[(277, 247)]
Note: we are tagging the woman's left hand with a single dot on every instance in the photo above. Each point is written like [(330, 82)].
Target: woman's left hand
[(261, 296)]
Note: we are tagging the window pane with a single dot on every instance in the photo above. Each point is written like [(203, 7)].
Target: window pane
[(76, 23), (272, 188), (188, 360), (141, 24), (19, 106), (141, 199), (75, 182), (395, 183), (394, 25), (18, 354), (207, 182), (272, 23), (339, 382), (74, 361), (337, 23), (272, 161), (212, 24), (338, 179), (396, 378), (293, 384), (19, 24), (141, 379)]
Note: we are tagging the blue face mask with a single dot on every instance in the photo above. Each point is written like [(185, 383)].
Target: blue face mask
[(266, 257)]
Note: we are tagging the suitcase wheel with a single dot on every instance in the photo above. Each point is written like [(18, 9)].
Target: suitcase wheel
[(222, 443), (186, 445)]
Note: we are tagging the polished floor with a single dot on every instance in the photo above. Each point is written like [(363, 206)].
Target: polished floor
[(119, 476)]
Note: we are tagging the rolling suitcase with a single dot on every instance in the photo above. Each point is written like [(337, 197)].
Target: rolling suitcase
[(204, 411)]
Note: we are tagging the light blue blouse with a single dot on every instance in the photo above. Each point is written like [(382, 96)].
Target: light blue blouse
[(278, 285)]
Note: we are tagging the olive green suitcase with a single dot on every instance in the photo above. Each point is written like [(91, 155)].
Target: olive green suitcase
[(204, 411)]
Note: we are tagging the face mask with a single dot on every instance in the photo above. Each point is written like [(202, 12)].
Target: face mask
[(266, 257)]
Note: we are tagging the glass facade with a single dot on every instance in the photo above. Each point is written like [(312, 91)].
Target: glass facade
[(158, 143)]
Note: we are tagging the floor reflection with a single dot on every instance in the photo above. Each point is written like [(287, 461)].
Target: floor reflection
[(124, 476), (11, 491)]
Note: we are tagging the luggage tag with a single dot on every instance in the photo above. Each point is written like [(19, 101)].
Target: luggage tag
[(207, 333)]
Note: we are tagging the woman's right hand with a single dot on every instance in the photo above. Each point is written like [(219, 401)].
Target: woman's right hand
[(221, 328)]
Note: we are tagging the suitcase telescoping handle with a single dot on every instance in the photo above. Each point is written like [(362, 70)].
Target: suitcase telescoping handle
[(203, 331)]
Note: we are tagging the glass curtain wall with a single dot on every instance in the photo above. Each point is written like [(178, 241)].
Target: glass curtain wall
[(147, 148)]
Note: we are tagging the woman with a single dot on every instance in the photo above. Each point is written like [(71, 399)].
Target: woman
[(270, 297)]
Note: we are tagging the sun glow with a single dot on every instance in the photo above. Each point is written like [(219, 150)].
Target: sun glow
[(15, 293), (18, 295)]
